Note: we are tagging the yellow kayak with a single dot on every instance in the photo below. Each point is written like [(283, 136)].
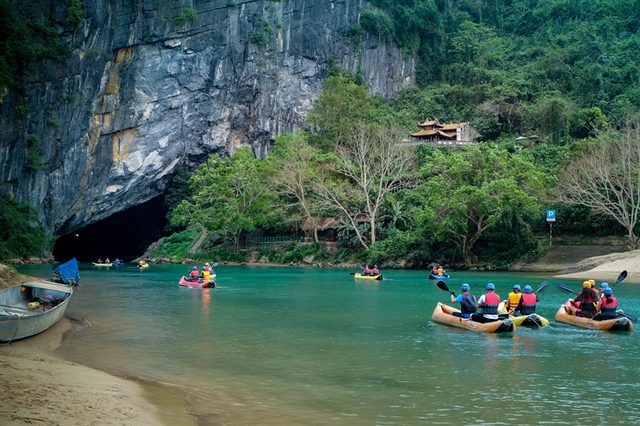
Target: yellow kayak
[(101, 264), (369, 277)]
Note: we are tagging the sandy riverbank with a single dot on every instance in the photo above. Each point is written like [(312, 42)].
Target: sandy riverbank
[(42, 389)]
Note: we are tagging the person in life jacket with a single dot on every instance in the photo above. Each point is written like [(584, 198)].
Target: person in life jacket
[(194, 275), (607, 305), (488, 302), (466, 300), (440, 271), (603, 286), (528, 302), (367, 270), (587, 301), (206, 275), (375, 270), (593, 287), (434, 270), (514, 299)]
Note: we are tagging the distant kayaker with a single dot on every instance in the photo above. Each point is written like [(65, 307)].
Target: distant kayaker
[(527, 303), (593, 287), (607, 306), (434, 270), (375, 270), (514, 299), (440, 271), (603, 286), (466, 300), (489, 304), (586, 302), (206, 276), (194, 275), (367, 270)]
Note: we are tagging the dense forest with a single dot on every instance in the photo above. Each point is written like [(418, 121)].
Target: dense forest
[(552, 88)]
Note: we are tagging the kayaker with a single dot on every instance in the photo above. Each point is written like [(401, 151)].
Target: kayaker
[(206, 275), (514, 299), (375, 270), (466, 300), (440, 271), (607, 305), (593, 286), (586, 300), (434, 270), (603, 286), (367, 270), (194, 275), (488, 302), (527, 303)]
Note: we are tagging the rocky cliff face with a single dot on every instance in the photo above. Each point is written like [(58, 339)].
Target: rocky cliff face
[(152, 84)]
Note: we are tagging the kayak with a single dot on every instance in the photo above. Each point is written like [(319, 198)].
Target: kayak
[(531, 320), (433, 276), (369, 277), (185, 282), (443, 314), (101, 264), (144, 265), (616, 324)]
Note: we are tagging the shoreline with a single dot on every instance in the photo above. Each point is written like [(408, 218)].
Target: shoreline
[(43, 388)]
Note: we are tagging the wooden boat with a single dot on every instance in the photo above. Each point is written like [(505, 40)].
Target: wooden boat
[(531, 320), (369, 277), (443, 314), (32, 307), (433, 276), (102, 264), (186, 282), (616, 324)]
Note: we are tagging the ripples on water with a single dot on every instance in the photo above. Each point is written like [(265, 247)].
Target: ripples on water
[(313, 346)]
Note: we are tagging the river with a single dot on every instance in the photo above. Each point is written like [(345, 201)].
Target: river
[(296, 346)]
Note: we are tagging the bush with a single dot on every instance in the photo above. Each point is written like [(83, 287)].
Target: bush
[(21, 235)]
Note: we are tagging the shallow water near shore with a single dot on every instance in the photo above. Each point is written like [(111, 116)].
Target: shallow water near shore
[(313, 346)]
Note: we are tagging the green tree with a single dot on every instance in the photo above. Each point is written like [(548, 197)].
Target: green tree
[(21, 234), (232, 196), (467, 191)]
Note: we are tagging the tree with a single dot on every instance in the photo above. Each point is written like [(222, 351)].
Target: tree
[(295, 161), (231, 196), (366, 168), (467, 192), (606, 179)]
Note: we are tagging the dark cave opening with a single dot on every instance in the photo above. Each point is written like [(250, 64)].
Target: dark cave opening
[(125, 235)]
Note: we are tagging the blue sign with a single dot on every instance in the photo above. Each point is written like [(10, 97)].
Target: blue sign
[(551, 215)]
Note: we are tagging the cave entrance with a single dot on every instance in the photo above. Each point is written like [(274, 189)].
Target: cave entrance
[(125, 235)]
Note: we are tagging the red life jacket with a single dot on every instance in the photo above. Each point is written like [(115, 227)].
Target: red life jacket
[(491, 302), (608, 308), (529, 301)]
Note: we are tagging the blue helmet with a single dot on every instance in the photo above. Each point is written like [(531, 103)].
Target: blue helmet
[(608, 291), (516, 287), (490, 286), (604, 285), (527, 289), (465, 287), (195, 268)]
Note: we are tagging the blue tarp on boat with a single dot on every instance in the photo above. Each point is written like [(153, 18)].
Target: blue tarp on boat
[(68, 272)]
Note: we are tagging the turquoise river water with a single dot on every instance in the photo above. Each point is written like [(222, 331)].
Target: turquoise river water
[(278, 345)]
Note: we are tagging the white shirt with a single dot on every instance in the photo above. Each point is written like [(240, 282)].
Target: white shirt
[(487, 316)]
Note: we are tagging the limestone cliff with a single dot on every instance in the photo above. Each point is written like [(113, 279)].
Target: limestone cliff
[(151, 84)]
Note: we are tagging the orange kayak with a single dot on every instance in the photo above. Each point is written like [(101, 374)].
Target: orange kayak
[(616, 324), (443, 314)]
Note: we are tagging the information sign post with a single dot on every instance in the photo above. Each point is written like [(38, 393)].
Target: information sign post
[(551, 217)]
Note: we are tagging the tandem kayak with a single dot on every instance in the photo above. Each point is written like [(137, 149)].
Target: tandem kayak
[(443, 314), (186, 282), (616, 324), (438, 277), (369, 277), (102, 264), (531, 320)]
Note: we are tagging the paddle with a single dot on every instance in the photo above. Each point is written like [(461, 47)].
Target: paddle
[(441, 285), (564, 288), (621, 277), (542, 287), (626, 315)]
